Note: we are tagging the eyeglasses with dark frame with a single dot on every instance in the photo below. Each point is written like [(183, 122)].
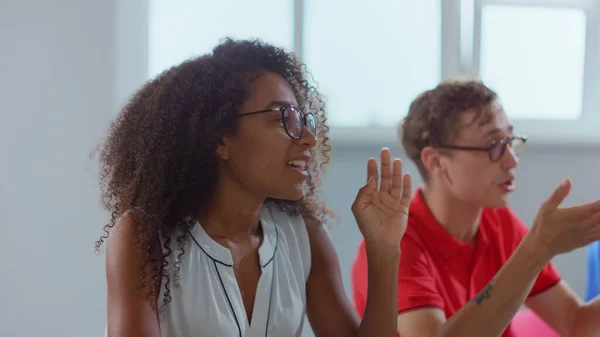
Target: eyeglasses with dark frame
[(294, 120), (496, 149)]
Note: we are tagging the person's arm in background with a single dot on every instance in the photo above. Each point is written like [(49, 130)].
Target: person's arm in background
[(593, 271), (554, 231), (564, 311)]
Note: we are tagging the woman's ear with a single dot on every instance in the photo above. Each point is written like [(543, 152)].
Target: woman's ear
[(222, 153), (222, 149)]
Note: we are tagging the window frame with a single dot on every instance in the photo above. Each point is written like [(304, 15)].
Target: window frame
[(359, 136), (547, 133), (582, 132)]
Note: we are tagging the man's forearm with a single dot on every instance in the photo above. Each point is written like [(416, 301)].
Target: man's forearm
[(490, 312), (381, 309), (587, 321)]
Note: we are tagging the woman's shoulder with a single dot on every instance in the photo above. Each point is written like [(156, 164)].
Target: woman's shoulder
[(123, 233), (122, 245)]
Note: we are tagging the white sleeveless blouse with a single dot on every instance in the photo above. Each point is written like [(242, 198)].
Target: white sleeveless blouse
[(208, 301)]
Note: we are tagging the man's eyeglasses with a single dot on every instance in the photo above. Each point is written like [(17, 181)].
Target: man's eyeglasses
[(497, 149), (293, 120)]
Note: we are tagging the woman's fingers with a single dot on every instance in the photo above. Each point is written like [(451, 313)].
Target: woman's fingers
[(386, 170), (406, 190), (372, 170), (396, 186)]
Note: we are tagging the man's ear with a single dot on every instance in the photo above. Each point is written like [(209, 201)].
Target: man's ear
[(436, 163), (432, 160)]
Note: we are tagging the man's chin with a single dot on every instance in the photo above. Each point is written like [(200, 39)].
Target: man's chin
[(497, 202)]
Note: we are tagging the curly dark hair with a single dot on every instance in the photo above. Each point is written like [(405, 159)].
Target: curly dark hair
[(159, 161), (433, 117)]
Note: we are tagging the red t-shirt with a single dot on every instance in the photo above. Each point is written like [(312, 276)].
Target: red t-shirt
[(436, 270)]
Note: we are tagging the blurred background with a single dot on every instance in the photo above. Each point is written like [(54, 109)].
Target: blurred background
[(67, 66)]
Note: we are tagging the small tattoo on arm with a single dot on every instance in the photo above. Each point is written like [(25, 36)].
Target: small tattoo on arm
[(484, 294)]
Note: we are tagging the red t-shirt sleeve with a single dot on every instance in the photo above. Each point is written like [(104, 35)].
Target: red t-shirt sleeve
[(359, 279), (549, 276), (416, 279)]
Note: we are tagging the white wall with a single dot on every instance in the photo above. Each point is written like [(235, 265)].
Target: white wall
[(61, 76), (56, 94)]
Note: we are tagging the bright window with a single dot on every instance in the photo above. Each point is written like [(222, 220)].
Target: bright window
[(180, 29), (371, 58), (534, 57)]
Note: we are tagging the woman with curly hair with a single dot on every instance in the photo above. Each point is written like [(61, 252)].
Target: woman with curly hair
[(210, 173)]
